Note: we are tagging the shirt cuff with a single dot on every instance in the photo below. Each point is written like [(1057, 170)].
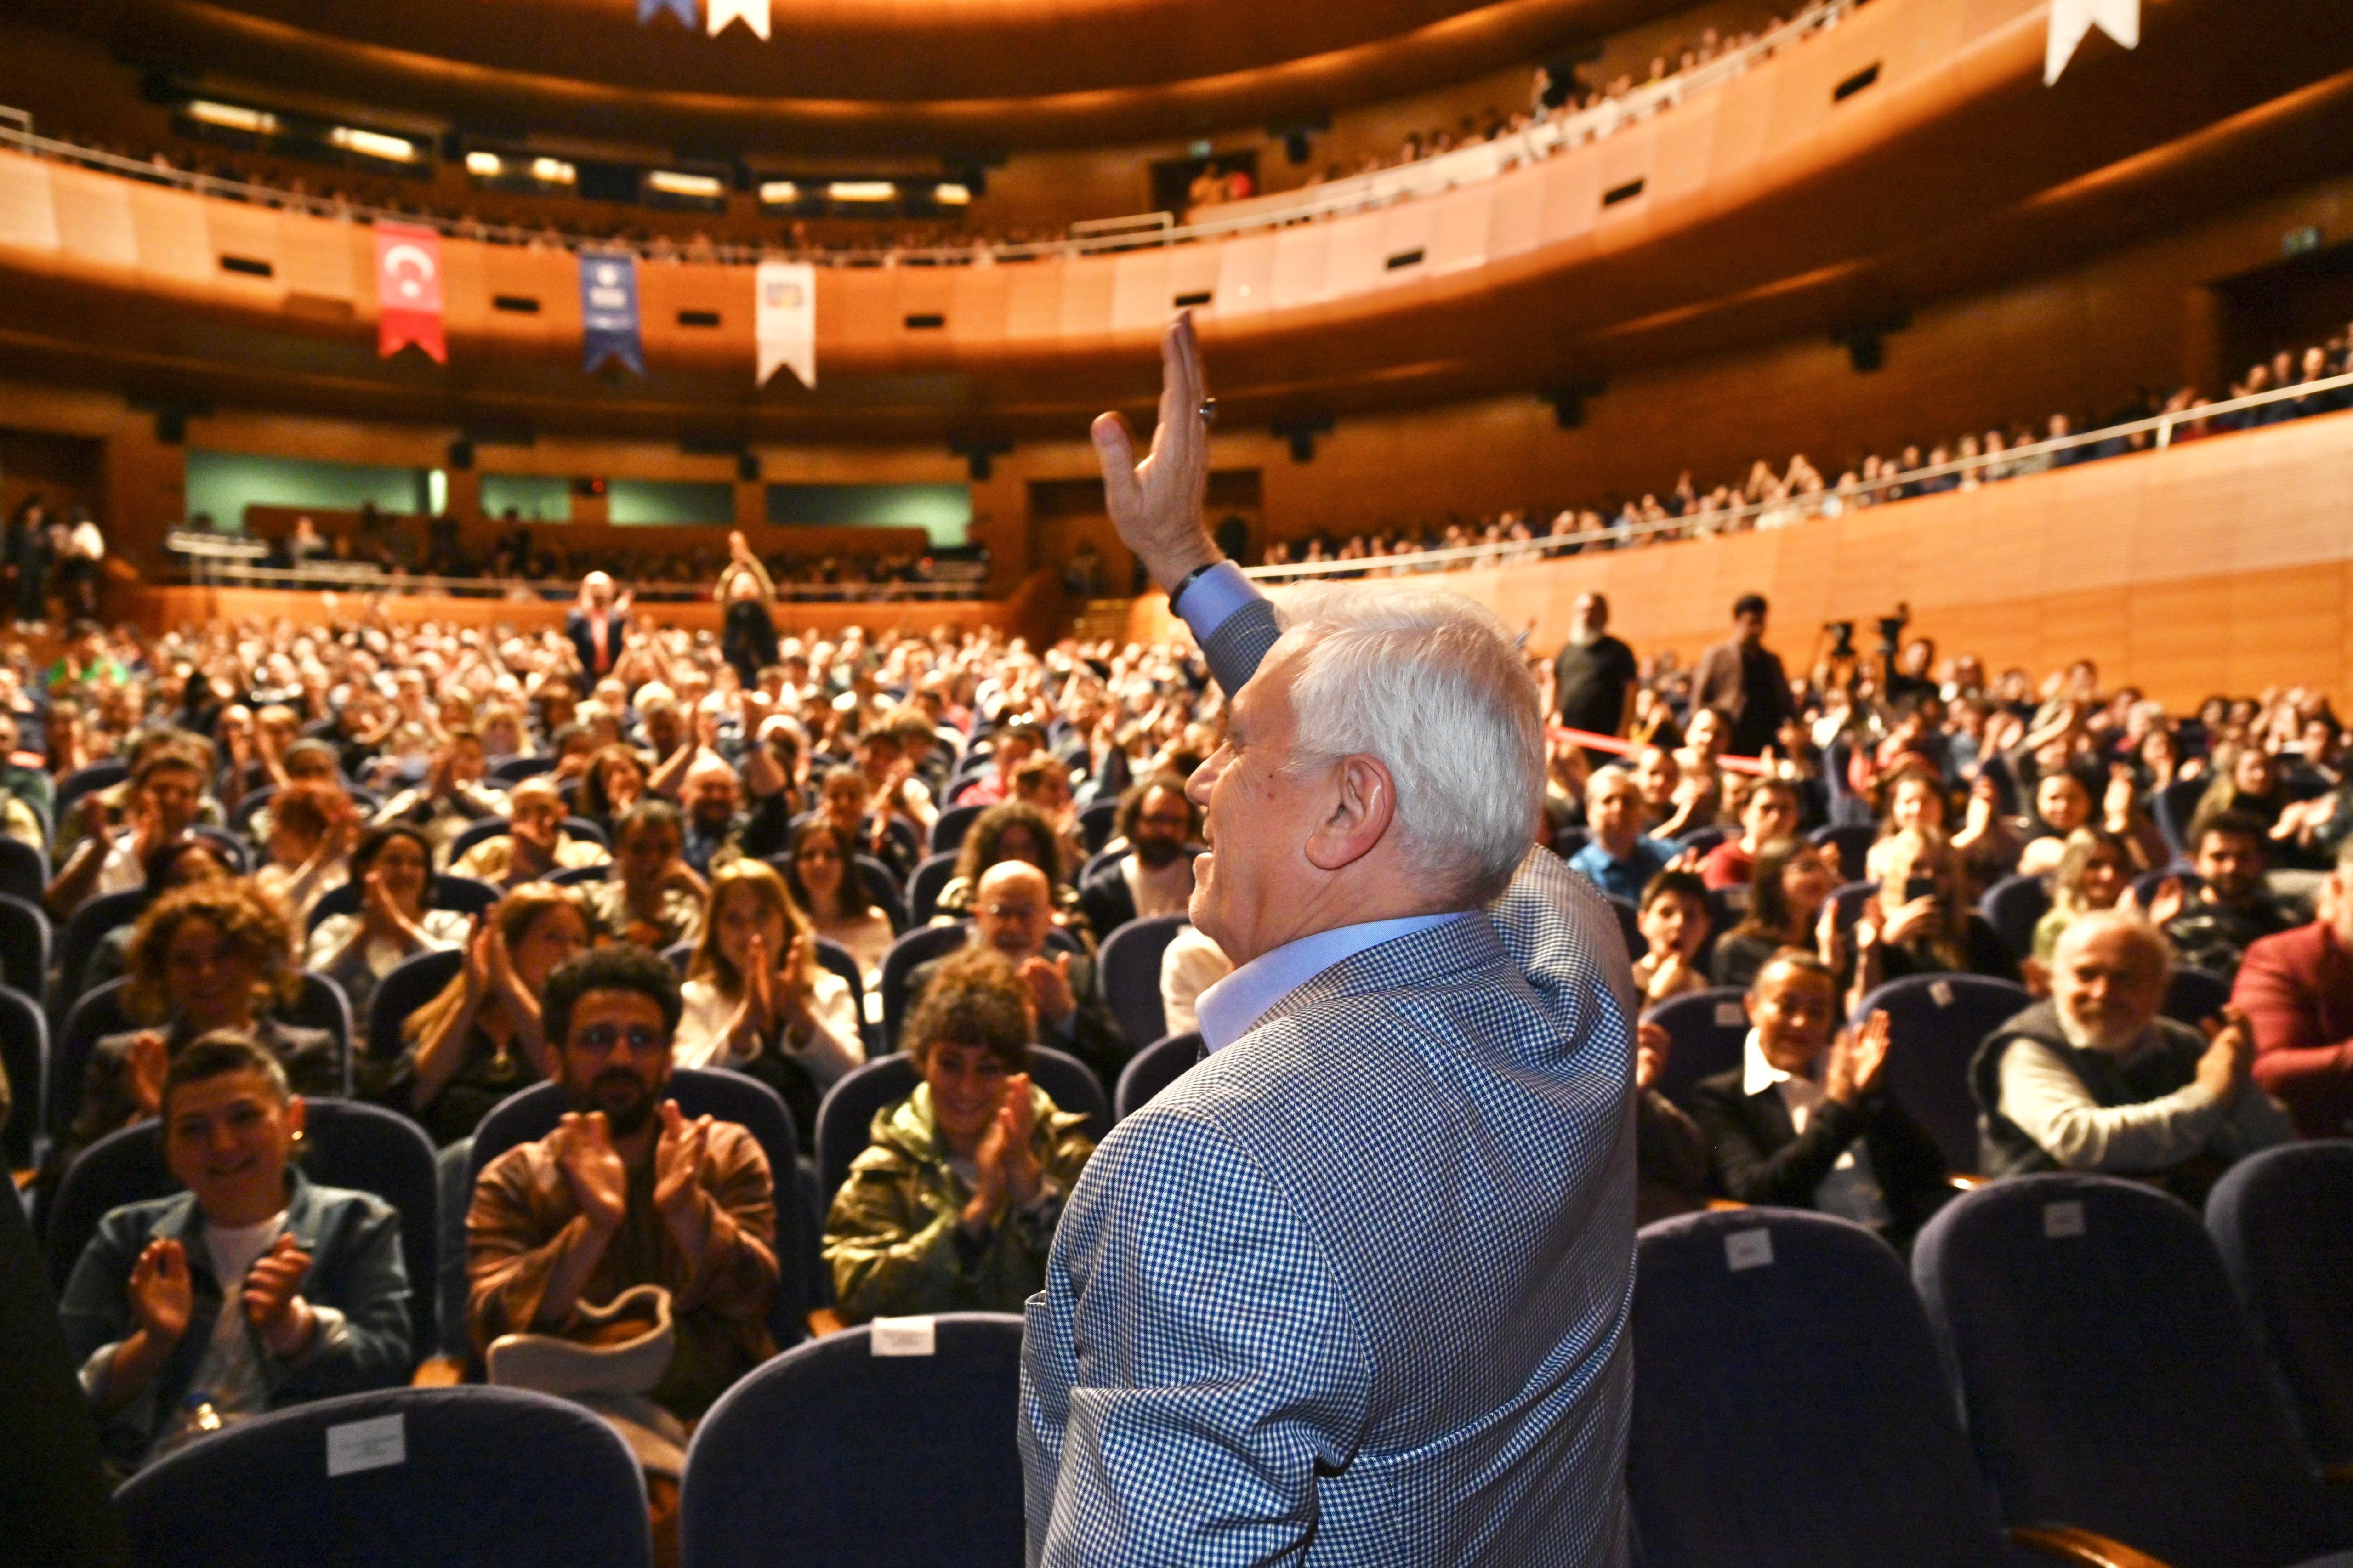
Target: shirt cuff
[(1211, 599)]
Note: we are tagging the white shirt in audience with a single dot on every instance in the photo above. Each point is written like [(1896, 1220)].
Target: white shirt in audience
[(1190, 966)]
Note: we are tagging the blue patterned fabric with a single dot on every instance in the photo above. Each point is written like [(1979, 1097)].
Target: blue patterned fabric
[(1354, 1290)]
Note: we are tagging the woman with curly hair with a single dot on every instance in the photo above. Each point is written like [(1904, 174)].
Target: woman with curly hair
[(215, 954), (1014, 830)]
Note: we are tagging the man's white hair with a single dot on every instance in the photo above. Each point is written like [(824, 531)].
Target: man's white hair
[(1432, 685), (2145, 941)]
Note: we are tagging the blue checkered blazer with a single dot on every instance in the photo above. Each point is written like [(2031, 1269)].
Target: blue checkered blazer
[(1354, 1289)]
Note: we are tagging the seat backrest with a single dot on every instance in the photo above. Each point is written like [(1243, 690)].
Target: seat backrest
[(248, 805), (25, 1052), (2174, 806), (514, 770), (952, 825), (1629, 924), (2281, 1220), (84, 930), (1095, 823), (857, 1458), (1853, 843), (844, 1117), (1789, 1405), (1708, 1029), (1936, 1024), (1129, 966), (464, 894), (411, 984), (2146, 885), (576, 876), (345, 1144), (24, 945), (2108, 1379), (530, 1114), (90, 1020), (473, 834), (2013, 907), (24, 869), (925, 885), (882, 886), (83, 781), (838, 959), (1152, 1069), (582, 828), (481, 1474), (1848, 899), (2194, 996), (918, 947), (1702, 841)]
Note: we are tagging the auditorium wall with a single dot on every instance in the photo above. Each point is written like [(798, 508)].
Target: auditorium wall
[(2220, 565)]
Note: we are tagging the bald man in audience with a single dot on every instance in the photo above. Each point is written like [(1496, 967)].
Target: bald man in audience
[(1013, 911)]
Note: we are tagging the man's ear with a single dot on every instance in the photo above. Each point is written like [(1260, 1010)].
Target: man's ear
[(1360, 806)]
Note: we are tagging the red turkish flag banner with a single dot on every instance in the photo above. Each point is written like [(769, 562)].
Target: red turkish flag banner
[(409, 290)]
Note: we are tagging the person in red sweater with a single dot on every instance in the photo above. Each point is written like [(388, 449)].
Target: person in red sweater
[(1772, 812), (2297, 990)]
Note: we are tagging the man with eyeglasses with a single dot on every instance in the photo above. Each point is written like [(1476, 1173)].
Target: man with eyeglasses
[(626, 1192), (1156, 875), (1013, 911)]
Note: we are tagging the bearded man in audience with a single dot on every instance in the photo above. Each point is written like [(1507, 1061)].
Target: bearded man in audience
[(2214, 926), (1156, 875)]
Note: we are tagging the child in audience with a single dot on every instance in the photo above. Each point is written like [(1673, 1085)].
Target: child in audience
[(1673, 922)]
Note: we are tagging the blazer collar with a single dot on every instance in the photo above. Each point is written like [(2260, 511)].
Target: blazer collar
[(1467, 941)]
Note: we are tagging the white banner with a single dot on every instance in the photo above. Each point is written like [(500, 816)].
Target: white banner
[(754, 14), (785, 322), (2070, 19)]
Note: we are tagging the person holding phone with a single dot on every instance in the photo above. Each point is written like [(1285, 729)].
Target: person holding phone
[(1920, 923)]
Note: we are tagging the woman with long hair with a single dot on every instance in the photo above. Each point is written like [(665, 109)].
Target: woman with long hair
[(1920, 921), (1012, 830), (480, 1039), (2095, 870), (758, 1001), (1789, 905), (821, 872), (393, 868), (614, 781)]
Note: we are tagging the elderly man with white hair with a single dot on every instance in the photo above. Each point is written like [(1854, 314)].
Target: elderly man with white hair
[(599, 627), (2094, 1079), (1354, 1288)]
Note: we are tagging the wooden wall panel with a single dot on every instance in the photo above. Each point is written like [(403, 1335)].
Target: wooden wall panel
[(28, 218), (977, 306), (1245, 275), (1086, 296), (93, 215), (175, 242), (1303, 259), (1461, 224), (1139, 292), (248, 233), (314, 259)]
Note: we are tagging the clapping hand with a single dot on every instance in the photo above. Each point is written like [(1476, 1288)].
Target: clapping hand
[(1858, 1060), (1050, 986), (2166, 904), (591, 1167), (1652, 1046), (2229, 1056), (1008, 1170), (162, 1294), (272, 1299), (143, 1066), (679, 1155)]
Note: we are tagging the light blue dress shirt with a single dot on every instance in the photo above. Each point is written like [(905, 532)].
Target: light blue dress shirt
[(1229, 1009)]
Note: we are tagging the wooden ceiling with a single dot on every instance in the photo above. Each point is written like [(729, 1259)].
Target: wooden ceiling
[(853, 74)]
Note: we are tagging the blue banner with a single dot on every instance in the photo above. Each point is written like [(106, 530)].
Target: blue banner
[(682, 9), (609, 309)]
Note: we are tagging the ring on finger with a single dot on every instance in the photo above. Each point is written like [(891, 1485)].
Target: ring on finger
[(1209, 411)]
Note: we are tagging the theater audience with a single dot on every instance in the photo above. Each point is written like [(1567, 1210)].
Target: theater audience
[(1673, 922), (657, 901), (2296, 990), (312, 828), (2211, 927), (626, 1192), (535, 846), (2094, 1079), (1789, 907), (1154, 876), (953, 1205), (1920, 921), (482, 1038), (1806, 1121), (757, 1001), (215, 955), (393, 868), (1013, 914), (1013, 831), (163, 799), (823, 877), (253, 1290), (1773, 810), (174, 864), (1619, 858), (453, 797)]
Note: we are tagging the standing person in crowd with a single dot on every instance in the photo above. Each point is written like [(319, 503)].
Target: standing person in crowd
[(1673, 923), (482, 1038), (747, 596), (1789, 907), (1795, 1129), (535, 846), (2296, 990), (214, 955), (2212, 928), (1744, 680), (598, 625), (2094, 1079), (1156, 875), (1619, 858), (626, 1190), (1595, 675), (657, 902), (756, 999), (252, 1290), (24, 558), (953, 1205), (393, 867), (79, 565), (1773, 810), (821, 872)]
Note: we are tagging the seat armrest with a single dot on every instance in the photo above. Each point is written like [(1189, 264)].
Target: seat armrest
[(1724, 1205), (2070, 1544), (438, 1371), (824, 1321), (1964, 1183)]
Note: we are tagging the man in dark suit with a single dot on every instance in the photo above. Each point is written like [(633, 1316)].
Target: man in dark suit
[(1744, 680), (599, 627), (1776, 1135), (1156, 875), (1013, 910), (2297, 990)]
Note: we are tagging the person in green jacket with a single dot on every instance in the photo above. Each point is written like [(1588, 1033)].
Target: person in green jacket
[(953, 1205)]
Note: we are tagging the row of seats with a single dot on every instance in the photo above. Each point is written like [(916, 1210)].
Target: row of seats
[(1798, 1400)]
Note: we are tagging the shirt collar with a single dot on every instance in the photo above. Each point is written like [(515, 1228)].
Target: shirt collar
[(1757, 1075), (1227, 1010)]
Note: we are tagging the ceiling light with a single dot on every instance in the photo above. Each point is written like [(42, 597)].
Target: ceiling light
[(862, 191), (484, 165), (233, 117), (373, 145), (779, 193), (672, 183), (951, 195)]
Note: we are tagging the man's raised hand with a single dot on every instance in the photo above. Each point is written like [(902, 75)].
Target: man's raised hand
[(1157, 503)]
